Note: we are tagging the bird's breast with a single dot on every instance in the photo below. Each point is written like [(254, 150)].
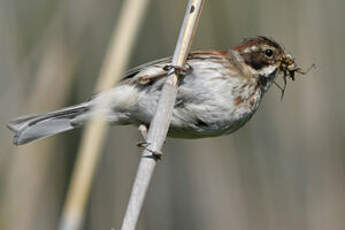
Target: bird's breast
[(214, 106)]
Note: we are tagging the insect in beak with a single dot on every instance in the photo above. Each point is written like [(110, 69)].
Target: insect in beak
[(289, 67)]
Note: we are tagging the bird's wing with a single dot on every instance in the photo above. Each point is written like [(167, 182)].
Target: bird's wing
[(151, 71), (147, 71)]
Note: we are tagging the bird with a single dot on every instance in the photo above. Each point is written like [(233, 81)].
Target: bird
[(218, 92)]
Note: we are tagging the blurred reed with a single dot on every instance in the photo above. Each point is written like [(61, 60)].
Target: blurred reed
[(115, 62), (284, 170), (160, 122), (24, 194)]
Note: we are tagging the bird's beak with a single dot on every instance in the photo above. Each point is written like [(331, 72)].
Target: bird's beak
[(290, 63), (288, 66)]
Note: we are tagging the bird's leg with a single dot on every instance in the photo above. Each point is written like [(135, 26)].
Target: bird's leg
[(143, 131)]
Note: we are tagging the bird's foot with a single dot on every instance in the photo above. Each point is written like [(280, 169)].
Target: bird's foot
[(144, 144), (179, 70)]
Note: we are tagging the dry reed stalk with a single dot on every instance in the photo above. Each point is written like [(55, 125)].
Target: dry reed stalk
[(89, 153), (160, 123), (22, 191)]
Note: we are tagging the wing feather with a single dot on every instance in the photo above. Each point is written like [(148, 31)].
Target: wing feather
[(153, 70), (134, 71)]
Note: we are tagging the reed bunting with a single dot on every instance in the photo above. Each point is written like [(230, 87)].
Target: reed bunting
[(218, 92)]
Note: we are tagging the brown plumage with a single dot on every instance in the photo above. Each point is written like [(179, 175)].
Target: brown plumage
[(218, 92)]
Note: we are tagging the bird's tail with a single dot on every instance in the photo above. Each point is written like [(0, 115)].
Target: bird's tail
[(34, 127)]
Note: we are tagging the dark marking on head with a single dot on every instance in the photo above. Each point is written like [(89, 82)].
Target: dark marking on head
[(259, 52), (256, 60), (256, 41)]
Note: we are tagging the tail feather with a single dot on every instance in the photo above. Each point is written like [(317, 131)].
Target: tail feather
[(34, 127)]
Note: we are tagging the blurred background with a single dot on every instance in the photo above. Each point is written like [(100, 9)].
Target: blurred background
[(284, 170)]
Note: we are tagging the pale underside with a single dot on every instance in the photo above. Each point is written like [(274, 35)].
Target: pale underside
[(218, 96), (211, 100)]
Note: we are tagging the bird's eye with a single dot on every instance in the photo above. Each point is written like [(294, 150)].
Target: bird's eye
[(268, 52)]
